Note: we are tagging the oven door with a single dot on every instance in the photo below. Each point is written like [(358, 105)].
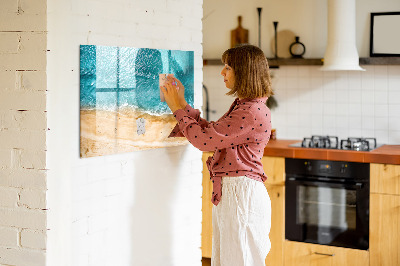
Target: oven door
[(327, 213)]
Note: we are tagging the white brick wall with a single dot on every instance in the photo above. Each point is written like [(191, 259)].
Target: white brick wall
[(102, 206), (138, 208), (23, 132)]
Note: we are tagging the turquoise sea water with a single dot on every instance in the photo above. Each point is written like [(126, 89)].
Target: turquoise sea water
[(113, 77)]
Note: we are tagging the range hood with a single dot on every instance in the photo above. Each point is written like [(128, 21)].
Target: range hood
[(341, 51)]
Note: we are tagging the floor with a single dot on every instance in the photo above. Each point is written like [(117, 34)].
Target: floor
[(206, 261)]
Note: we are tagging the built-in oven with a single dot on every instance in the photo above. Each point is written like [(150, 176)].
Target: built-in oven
[(327, 202)]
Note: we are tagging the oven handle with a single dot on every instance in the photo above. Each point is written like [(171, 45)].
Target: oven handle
[(357, 185)]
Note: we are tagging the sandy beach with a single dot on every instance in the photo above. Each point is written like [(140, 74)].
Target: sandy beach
[(110, 132)]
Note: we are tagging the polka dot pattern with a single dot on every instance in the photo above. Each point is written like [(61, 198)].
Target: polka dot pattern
[(238, 139)]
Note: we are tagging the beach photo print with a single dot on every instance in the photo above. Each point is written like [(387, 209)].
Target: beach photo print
[(121, 106)]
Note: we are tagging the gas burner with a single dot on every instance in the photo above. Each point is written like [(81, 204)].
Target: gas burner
[(332, 142), (358, 144), (327, 142)]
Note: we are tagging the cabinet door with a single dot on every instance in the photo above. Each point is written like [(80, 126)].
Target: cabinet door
[(304, 254), (206, 226), (277, 233), (384, 230), (274, 168), (385, 178)]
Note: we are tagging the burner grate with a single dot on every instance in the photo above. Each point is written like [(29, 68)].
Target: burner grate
[(358, 144), (327, 142), (332, 142)]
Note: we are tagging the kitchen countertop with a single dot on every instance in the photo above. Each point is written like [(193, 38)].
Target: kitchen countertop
[(389, 154)]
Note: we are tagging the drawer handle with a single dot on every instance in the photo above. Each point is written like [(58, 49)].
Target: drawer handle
[(324, 254)]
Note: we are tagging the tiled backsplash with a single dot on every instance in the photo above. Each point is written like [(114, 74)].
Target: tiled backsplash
[(314, 102)]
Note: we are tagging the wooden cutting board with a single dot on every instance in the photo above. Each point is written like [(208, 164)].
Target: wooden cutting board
[(239, 35)]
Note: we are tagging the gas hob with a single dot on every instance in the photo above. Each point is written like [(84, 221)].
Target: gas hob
[(332, 142)]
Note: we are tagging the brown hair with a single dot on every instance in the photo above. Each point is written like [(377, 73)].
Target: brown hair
[(250, 66)]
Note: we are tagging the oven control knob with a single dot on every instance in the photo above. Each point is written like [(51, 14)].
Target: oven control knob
[(343, 168), (308, 166)]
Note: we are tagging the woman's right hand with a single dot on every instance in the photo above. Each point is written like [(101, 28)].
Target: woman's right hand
[(181, 91)]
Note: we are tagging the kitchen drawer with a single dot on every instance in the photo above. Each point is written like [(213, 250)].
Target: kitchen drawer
[(305, 254)]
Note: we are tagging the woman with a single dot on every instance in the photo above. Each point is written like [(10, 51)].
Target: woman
[(242, 211)]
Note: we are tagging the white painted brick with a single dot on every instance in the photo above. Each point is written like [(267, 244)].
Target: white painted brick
[(127, 168), (34, 140), (97, 173), (197, 37), (7, 80), (31, 80), (33, 239), (8, 197), (15, 158), (80, 227), (196, 166), (176, 7), (23, 22), (9, 42), (153, 32), (33, 7), (168, 19), (8, 6), (23, 218), (23, 100), (5, 158), (23, 178), (114, 186), (33, 199), (149, 6), (33, 159), (31, 55), (17, 256), (35, 120), (79, 176), (190, 22), (98, 222), (8, 237)]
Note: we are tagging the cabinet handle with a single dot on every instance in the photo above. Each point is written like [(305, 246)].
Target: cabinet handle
[(324, 254)]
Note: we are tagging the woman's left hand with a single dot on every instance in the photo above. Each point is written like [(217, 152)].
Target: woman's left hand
[(171, 95)]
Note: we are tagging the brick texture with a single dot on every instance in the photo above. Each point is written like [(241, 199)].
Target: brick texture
[(23, 126)]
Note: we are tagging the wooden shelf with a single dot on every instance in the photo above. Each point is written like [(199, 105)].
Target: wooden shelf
[(380, 61), (273, 63)]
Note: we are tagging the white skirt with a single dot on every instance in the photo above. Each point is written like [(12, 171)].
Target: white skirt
[(241, 223)]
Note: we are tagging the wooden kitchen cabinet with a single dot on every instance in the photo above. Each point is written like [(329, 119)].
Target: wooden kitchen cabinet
[(274, 168), (206, 225), (384, 236), (385, 215), (385, 178), (305, 254), (277, 233)]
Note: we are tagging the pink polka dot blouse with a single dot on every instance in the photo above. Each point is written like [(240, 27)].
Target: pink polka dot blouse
[(238, 139)]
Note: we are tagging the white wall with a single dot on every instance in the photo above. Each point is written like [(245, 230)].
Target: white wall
[(311, 102), (139, 208), (23, 133)]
